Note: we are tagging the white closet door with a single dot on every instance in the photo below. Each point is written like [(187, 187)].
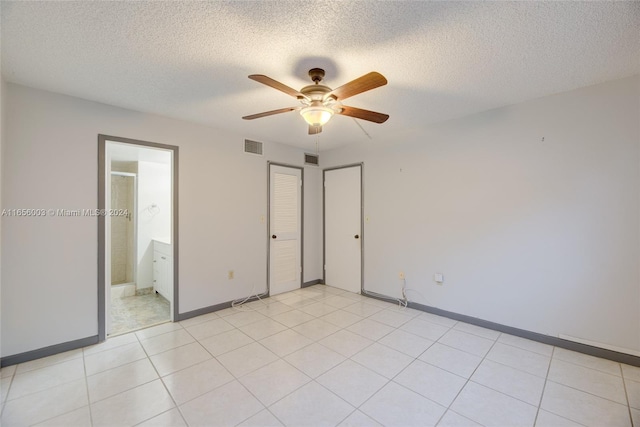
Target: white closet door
[(343, 234), (285, 228)]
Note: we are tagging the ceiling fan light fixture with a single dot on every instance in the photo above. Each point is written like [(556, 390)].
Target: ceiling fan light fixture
[(316, 115)]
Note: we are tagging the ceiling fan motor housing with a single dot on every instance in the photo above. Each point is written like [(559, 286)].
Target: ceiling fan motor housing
[(316, 74), (315, 92)]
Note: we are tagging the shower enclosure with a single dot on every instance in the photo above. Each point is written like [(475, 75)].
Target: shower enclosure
[(123, 230)]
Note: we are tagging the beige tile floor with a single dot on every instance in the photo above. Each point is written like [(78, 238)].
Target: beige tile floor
[(138, 311), (320, 357)]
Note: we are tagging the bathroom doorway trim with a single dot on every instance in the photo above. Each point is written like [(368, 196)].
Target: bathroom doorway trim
[(102, 203)]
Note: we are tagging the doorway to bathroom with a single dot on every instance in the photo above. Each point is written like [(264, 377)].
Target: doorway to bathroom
[(137, 235)]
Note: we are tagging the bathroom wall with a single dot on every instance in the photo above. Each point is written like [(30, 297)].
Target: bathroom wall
[(154, 214)]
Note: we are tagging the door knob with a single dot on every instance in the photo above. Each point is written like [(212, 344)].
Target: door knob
[(356, 236), (274, 236)]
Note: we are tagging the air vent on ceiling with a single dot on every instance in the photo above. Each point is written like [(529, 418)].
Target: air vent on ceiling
[(311, 159), (253, 147)]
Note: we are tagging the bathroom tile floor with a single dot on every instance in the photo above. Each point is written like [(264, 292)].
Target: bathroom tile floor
[(320, 357), (135, 312)]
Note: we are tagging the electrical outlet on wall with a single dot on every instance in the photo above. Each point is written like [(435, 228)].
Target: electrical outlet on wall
[(401, 275), (438, 278), (230, 275)]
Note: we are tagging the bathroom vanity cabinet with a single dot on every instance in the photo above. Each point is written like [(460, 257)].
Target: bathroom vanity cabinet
[(163, 269)]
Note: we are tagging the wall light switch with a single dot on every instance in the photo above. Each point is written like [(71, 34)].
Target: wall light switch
[(438, 278), (230, 275)]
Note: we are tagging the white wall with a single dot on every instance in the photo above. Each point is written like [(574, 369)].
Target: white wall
[(2, 138), (154, 188), (49, 275), (542, 236), (312, 233)]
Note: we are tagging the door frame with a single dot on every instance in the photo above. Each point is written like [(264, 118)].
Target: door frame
[(102, 203), (324, 224), (284, 165)]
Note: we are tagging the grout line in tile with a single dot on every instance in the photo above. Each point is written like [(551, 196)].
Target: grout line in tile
[(256, 397), (544, 388), (175, 404), (161, 380), (592, 369), (116, 367), (125, 390), (512, 367), (522, 348), (431, 322), (440, 367), (170, 349), (408, 389), (559, 416), (468, 379), (274, 415), (86, 384), (344, 400), (68, 412), (142, 328), (626, 393), (16, 373), (349, 414), (233, 378), (589, 393), (157, 415), (68, 381), (505, 394), (460, 415), (395, 376), (148, 357), (5, 398), (84, 355), (470, 332), (400, 351), (573, 362)]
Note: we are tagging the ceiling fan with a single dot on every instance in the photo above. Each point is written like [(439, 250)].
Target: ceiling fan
[(319, 102)]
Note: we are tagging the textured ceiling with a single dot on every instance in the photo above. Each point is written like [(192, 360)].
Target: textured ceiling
[(190, 60)]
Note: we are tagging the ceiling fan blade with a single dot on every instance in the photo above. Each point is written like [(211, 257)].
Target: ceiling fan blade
[(359, 113), (276, 85), (314, 130), (270, 113), (359, 85)]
